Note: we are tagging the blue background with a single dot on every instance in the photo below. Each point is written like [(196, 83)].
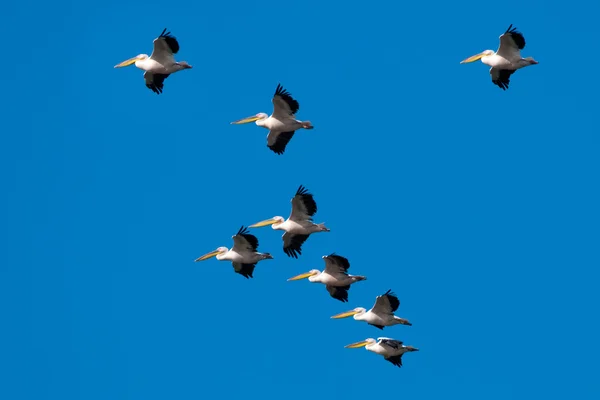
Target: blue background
[(478, 207)]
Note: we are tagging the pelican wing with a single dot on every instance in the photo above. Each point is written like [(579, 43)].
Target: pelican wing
[(339, 292), (511, 44), (336, 265), (284, 105), (396, 360), (154, 82), (292, 244), (387, 303), (390, 344), (244, 242), (277, 141), (245, 270), (501, 77), (165, 45), (303, 205)]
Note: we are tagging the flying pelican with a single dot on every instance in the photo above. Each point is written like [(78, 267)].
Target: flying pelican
[(336, 279), (282, 124), (391, 349), (243, 255), (382, 313), (160, 64), (299, 224), (506, 60)]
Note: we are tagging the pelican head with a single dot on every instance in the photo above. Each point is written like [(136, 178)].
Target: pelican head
[(257, 117), (275, 222), (132, 60), (310, 274), (411, 348), (220, 250), (478, 56), (351, 313), (362, 343)]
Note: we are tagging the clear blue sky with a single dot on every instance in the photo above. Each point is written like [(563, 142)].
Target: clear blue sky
[(478, 207)]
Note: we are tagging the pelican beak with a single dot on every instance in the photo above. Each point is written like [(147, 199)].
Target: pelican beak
[(126, 62), (357, 345), (345, 314), (266, 222), (246, 120), (301, 276), (472, 58), (207, 255)]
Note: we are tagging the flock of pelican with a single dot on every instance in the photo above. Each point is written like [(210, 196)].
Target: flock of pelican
[(297, 228)]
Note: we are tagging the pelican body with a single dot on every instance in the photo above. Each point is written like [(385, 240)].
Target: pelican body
[(392, 350), (335, 277), (243, 255), (506, 60), (161, 62), (382, 313), (299, 225), (282, 124)]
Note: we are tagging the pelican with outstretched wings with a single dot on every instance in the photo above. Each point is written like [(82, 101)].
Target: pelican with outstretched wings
[(382, 313), (335, 277), (243, 255), (392, 350), (299, 225), (161, 62), (506, 60), (282, 124)]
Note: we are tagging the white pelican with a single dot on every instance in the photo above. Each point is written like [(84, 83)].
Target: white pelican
[(506, 60), (160, 64), (391, 349), (382, 313), (243, 255), (282, 124), (335, 277), (299, 224)]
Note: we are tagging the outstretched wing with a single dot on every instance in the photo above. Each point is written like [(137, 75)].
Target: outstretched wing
[(304, 205), (277, 141), (165, 45), (387, 303), (292, 244), (339, 292), (501, 77), (391, 344), (396, 360), (245, 270), (154, 82), (284, 105), (336, 265), (243, 241), (511, 44)]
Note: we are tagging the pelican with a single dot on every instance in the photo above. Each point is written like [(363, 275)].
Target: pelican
[(506, 60), (282, 124), (299, 224), (391, 349), (160, 64), (382, 313), (336, 279), (243, 255)]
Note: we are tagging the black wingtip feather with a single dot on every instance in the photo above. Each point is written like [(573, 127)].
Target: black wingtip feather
[(245, 233), (308, 200), (282, 141), (287, 97), (517, 37), (171, 41), (396, 360), (247, 270)]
